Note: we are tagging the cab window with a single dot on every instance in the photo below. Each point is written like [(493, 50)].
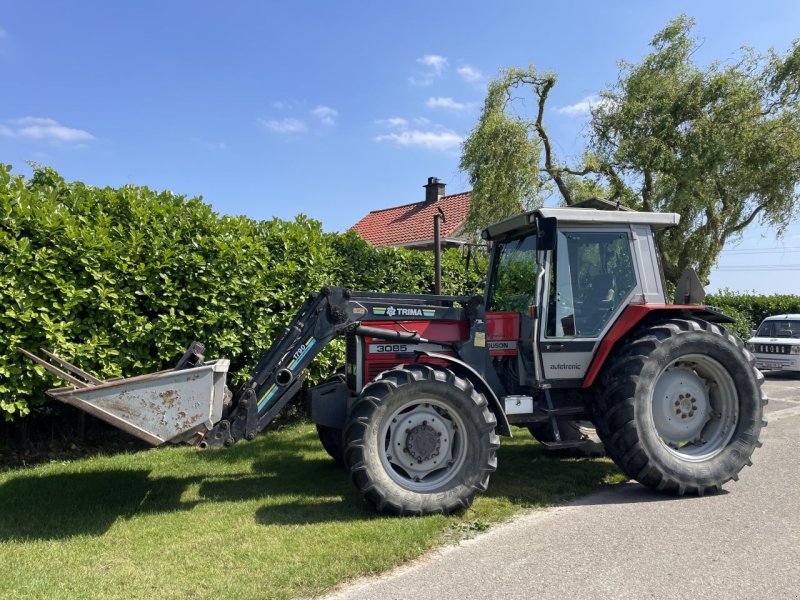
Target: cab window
[(514, 282), (592, 276)]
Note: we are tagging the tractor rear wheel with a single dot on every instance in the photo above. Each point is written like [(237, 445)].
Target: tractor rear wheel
[(680, 406), (420, 440)]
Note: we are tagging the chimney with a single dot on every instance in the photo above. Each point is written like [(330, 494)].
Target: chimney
[(434, 189)]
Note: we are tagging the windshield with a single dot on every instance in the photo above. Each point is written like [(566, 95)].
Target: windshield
[(514, 280), (779, 329)]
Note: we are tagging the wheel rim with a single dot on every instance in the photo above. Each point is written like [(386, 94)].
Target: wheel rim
[(423, 444), (695, 407)]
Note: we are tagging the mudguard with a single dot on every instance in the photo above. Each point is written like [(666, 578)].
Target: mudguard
[(633, 315), (462, 369)]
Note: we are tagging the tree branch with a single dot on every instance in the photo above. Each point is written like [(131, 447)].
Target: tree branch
[(739, 226), (647, 191), (555, 174)]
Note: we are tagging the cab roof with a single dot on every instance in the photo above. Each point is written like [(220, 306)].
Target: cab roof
[(526, 222)]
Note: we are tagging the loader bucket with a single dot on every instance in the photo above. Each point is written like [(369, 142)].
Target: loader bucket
[(178, 405)]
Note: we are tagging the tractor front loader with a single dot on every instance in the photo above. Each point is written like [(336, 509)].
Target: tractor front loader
[(573, 331)]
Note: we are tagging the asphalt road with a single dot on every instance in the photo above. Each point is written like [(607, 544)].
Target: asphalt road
[(628, 542)]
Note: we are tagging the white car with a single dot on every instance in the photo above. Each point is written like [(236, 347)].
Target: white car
[(776, 344)]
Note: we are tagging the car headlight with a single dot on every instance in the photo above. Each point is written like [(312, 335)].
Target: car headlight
[(795, 350), (752, 347)]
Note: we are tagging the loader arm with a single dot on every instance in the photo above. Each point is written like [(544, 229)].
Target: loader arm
[(189, 403), (280, 373)]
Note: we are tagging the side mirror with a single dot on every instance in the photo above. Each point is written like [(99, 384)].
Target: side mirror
[(546, 228)]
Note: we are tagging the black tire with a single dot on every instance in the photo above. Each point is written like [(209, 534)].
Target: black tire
[(331, 439), (659, 426), (429, 415), (570, 430)]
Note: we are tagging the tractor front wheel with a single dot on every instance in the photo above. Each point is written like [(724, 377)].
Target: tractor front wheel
[(680, 406), (420, 440)]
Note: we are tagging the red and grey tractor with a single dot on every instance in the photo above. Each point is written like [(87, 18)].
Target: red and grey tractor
[(573, 335)]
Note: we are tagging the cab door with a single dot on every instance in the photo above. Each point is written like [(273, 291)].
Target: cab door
[(591, 278)]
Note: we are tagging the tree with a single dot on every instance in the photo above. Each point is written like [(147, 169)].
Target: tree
[(719, 145), (501, 155), (509, 157)]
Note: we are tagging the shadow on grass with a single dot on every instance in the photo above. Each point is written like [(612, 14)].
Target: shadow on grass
[(296, 488), (528, 475), (68, 504), (62, 505)]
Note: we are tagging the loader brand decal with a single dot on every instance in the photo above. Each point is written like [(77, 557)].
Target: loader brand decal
[(301, 352), (402, 311)]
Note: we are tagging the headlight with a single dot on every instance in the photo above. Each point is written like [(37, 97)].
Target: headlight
[(795, 350), (752, 347)]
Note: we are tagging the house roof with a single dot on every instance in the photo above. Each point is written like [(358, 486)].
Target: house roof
[(413, 223)]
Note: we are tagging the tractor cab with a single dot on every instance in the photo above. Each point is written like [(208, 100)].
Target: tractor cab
[(569, 273)]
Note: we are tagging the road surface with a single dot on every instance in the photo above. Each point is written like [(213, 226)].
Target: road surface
[(628, 542)]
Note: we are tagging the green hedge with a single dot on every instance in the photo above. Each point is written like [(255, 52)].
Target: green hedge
[(121, 280), (750, 309)]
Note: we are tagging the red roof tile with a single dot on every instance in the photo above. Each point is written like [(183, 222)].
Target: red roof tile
[(413, 222)]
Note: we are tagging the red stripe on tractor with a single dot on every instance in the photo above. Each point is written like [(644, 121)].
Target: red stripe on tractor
[(629, 318)]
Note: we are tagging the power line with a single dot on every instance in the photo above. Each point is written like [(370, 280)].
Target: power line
[(772, 268), (767, 248), (769, 251)]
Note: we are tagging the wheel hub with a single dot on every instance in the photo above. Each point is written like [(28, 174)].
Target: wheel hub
[(423, 442), (420, 443), (681, 407)]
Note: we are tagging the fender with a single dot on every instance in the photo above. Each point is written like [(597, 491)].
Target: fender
[(632, 316), (462, 369)]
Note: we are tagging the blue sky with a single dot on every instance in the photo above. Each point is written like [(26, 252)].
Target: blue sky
[(331, 109)]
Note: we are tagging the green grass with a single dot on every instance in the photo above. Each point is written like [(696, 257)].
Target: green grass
[(270, 519)]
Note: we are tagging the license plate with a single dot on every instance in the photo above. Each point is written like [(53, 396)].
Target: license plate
[(769, 365)]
